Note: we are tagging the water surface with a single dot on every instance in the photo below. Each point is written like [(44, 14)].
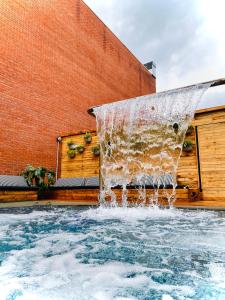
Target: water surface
[(94, 254)]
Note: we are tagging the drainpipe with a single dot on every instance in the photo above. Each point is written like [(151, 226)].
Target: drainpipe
[(59, 139)]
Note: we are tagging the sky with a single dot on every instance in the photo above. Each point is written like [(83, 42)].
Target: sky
[(185, 38)]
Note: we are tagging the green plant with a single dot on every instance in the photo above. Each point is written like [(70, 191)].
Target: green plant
[(88, 137), (190, 130), (80, 148), (51, 177), (187, 146), (39, 177), (96, 150), (71, 153)]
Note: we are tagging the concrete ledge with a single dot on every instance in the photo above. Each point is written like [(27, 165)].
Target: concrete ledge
[(47, 203), (86, 203)]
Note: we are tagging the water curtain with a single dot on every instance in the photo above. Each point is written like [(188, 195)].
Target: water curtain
[(141, 141)]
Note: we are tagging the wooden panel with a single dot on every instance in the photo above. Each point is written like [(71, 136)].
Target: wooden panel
[(187, 173), (216, 194), (212, 158), (86, 164), (83, 165), (91, 195), (15, 196), (209, 117)]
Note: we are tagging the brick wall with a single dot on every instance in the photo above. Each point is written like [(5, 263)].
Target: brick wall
[(57, 59)]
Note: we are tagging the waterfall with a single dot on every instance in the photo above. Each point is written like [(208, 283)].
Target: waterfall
[(141, 142)]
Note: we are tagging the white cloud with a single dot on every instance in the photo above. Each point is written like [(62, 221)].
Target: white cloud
[(185, 38)]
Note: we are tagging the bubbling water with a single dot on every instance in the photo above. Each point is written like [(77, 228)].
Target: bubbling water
[(141, 141)]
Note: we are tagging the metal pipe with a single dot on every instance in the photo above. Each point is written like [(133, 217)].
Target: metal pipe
[(212, 83), (59, 139), (198, 160)]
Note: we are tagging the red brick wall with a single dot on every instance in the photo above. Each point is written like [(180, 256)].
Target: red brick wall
[(57, 59)]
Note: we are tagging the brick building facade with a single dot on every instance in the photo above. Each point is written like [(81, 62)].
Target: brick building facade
[(57, 59)]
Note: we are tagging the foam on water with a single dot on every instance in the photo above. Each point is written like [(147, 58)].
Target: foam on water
[(96, 254), (133, 214), (141, 141)]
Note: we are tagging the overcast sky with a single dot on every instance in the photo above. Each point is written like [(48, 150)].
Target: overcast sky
[(185, 38)]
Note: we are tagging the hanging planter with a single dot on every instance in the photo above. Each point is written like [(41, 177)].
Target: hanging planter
[(187, 146), (87, 137), (190, 130), (175, 127), (80, 148), (71, 145), (71, 153), (96, 150)]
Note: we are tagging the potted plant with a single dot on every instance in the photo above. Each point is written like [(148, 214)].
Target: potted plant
[(87, 137), (187, 146), (190, 130), (39, 177), (71, 153), (71, 145), (96, 150), (80, 148), (175, 127)]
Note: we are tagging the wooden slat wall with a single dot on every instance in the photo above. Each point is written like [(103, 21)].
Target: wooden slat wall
[(187, 173), (16, 196), (83, 165), (209, 116), (212, 159), (86, 164), (91, 196)]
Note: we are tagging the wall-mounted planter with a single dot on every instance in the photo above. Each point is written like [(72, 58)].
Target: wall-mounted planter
[(87, 138), (190, 130), (175, 127), (80, 148), (71, 153), (187, 146), (71, 145), (96, 150)]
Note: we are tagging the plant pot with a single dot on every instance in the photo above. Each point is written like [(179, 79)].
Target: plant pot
[(72, 147), (96, 152), (71, 153), (190, 130), (81, 150), (88, 139), (175, 127), (188, 148)]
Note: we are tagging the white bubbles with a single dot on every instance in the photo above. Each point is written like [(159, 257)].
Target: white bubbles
[(112, 254), (134, 214), (167, 297)]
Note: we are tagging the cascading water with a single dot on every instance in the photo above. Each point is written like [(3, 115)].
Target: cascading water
[(141, 141)]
